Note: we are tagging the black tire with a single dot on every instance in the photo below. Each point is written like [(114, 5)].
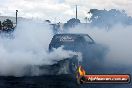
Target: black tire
[(73, 64)]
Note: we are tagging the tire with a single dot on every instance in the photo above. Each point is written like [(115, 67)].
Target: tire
[(73, 64)]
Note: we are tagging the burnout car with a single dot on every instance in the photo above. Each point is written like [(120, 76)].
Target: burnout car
[(91, 53), (73, 42)]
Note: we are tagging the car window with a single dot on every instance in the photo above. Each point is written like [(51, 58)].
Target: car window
[(88, 39), (67, 39), (64, 38)]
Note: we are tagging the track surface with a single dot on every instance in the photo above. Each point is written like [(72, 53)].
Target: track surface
[(61, 81)]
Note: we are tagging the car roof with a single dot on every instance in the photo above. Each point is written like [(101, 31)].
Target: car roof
[(71, 34)]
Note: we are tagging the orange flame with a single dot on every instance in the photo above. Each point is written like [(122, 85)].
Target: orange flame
[(81, 71)]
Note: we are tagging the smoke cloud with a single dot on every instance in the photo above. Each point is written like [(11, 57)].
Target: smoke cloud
[(28, 48), (117, 39)]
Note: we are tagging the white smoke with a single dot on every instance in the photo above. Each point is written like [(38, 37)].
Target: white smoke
[(117, 39), (28, 47)]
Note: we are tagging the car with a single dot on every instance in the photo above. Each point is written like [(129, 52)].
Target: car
[(72, 42), (92, 55)]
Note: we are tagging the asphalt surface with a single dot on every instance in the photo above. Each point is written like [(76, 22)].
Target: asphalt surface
[(61, 81), (54, 81), (46, 81)]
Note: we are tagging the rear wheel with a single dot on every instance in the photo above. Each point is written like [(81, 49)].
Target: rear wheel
[(68, 66), (73, 64)]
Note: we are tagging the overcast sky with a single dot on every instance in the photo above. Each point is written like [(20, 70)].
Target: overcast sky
[(60, 10)]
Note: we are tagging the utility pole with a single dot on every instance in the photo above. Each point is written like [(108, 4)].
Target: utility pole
[(76, 11), (16, 16)]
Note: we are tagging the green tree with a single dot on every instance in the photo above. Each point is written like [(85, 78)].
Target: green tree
[(7, 25), (71, 23), (105, 18)]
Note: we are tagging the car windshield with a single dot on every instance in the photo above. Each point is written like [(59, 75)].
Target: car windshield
[(65, 38), (88, 39)]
